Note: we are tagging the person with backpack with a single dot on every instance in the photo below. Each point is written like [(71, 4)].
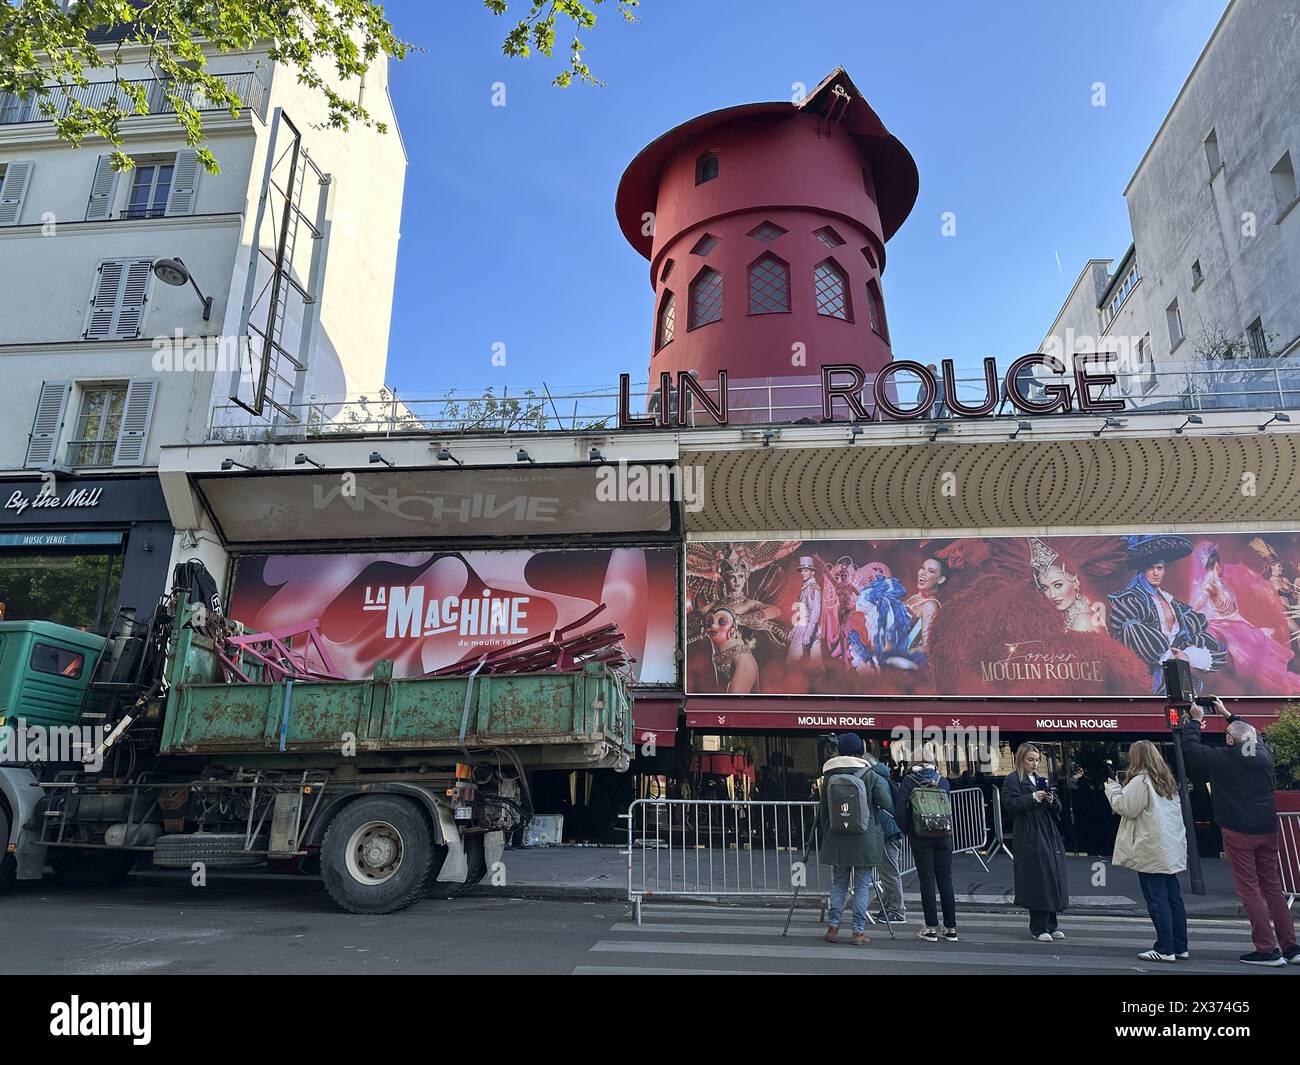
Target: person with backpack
[(1153, 841), (1037, 845), (925, 815), (849, 828), (892, 907)]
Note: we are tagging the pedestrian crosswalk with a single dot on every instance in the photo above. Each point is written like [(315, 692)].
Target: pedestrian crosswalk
[(703, 939)]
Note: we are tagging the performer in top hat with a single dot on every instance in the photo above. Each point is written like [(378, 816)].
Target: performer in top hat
[(805, 637), (1151, 622)]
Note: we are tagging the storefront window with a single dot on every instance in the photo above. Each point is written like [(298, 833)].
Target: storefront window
[(77, 590)]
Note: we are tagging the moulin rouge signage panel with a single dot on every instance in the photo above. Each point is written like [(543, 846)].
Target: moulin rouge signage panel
[(847, 390), (427, 609), (1003, 617)]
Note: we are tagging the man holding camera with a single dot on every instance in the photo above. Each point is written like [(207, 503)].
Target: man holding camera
[(1242, 782)]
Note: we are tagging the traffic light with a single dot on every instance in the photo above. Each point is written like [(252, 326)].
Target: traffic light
[(1176, 716)]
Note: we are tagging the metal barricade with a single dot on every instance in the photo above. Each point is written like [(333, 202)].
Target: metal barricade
[(1288, 854), (714, 848), (970, 828), (998, 843)]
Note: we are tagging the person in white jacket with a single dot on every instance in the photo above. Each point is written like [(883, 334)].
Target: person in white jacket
[(1153, 841)]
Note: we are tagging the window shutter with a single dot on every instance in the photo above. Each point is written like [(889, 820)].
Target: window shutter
[(118, 299), (103, 301), (136, 417), (47, 423), (12, 191), (135, 291), (103, 191), (185, 183)]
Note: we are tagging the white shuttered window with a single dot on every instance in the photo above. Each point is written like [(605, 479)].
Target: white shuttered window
[(14, 178), (140, 393), (48, 423), (185, 183), (118, 299), (103, 191)]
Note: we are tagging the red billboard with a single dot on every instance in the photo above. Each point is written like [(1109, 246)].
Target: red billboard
[(1006, 617), (427, 609)]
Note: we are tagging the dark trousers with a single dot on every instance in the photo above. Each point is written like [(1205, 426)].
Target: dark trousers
[(933, 858), (1041, 921), (1258, 880), (1165, 905)]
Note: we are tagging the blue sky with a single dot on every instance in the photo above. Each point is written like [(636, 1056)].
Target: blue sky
[(508, 231)]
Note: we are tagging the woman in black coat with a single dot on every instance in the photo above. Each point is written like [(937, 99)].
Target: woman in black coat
[(1036, 840)]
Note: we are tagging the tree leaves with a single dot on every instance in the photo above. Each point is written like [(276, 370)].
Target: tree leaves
[(47, 55)]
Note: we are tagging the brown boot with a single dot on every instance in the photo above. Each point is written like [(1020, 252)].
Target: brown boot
[(832, 934), (860, 939)]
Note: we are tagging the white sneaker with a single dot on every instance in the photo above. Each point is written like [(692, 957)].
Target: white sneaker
[(1042, 937), (1184, 954), (1058, 934), (1155, 955)]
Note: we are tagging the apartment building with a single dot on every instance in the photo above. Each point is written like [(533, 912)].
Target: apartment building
[(138, 308)]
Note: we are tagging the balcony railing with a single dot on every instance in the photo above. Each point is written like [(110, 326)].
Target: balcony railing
[(1240, 385), (86, 453), (19, 110)]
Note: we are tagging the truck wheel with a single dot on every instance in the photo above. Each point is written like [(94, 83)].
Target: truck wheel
[(91, 868), (376, 855), (8, 862), (474, 856)]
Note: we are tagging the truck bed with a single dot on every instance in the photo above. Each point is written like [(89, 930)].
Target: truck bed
[(579, 718)]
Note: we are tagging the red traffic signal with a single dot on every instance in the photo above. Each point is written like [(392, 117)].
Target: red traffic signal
[(1175, 716)]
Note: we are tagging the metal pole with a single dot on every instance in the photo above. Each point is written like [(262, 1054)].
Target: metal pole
[(1193, 851)]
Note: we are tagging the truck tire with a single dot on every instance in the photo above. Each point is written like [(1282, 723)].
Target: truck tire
[(90, 868), (216, 850), (477, 861), (376, 855), (8, 862)]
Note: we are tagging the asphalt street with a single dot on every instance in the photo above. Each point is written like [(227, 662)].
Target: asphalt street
[(158, 924)]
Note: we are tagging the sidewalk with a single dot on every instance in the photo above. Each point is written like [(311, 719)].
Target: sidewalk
[(600, 874)]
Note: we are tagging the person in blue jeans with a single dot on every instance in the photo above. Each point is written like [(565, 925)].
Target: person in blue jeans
[(1153, 841), (851, 855)]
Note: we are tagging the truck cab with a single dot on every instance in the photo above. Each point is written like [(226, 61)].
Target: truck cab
[(46, 672)]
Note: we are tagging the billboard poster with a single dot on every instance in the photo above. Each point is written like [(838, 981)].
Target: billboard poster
[(427, 609), (1005, 617)]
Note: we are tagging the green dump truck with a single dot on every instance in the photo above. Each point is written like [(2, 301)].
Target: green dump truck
[(178, 747)]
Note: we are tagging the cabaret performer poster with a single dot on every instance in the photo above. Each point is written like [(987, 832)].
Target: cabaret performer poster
[(996, 617)]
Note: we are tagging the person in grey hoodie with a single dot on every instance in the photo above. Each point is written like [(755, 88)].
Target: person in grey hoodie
[(894, 909)]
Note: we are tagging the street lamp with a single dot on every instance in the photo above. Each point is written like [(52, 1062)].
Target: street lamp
[(1021, 427), (1192, 419), (301, 459), (176, 273), (1278, 416), (375, 456), (230, 464), (445, 455)]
